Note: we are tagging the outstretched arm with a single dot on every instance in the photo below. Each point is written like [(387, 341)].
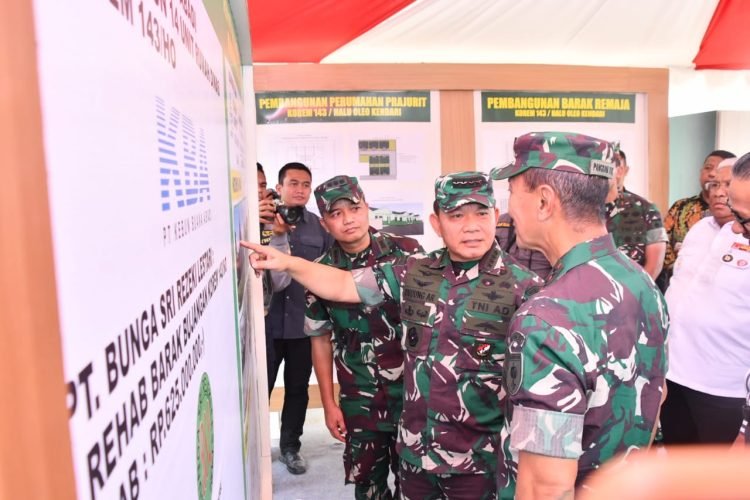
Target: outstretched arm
[(324, 281)]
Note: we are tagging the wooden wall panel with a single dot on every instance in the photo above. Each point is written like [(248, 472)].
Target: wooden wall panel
[(458, 151), (457, 77), (658, 149), (469, 77), (35, 455)]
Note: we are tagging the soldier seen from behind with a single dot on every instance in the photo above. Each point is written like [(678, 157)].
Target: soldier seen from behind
[(586, 360), (366, 344), (455, 306)]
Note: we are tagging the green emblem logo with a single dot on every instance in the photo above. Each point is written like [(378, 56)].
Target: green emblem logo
[(204, 443)]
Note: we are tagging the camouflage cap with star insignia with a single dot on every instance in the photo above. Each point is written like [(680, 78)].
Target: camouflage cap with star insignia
[(335, 189), (455, 190), (561, 151)]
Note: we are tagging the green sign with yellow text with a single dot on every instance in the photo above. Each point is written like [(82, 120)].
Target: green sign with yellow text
[(557, 107), (308, 107)]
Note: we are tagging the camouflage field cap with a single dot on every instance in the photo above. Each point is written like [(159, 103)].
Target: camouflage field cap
[(335, 189), (455, 190), (563, 151)]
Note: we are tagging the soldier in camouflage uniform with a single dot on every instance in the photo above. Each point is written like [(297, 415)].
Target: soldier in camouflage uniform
[(586, 359), (505, 234), (635, 223), (367, 344), (455, 306)]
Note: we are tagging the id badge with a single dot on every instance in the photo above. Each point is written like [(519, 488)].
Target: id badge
[(738, 256)]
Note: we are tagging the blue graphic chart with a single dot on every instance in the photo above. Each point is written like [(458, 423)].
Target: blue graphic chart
[(183, 159)]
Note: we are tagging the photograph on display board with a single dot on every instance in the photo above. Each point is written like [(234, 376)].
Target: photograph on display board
[(398, 218), (379, 156)]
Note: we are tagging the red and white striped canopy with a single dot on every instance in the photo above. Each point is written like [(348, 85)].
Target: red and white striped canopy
[(638, 33), (698, 40)]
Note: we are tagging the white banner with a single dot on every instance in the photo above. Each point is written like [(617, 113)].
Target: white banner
[(136, 149)]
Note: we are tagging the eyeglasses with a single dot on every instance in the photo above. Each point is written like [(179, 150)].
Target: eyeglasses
[(744, 222), (714, 185)]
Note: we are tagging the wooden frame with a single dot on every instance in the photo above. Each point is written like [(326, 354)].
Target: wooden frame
[(457, 81), (35, 457)]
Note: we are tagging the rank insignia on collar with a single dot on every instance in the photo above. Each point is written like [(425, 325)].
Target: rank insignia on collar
[(483, 350)]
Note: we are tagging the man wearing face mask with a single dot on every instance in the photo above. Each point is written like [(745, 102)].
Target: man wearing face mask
[(709, 302)]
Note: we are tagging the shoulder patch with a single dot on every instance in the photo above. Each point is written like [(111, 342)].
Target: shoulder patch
[(513, 366)]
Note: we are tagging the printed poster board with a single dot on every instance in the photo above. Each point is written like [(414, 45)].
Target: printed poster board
[(389, 140), (136, 144)]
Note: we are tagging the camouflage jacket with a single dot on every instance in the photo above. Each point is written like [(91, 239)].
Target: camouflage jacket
[(366, 341), (454, 318), (682, 215), (585, 364), (505, 235), (634, 223)]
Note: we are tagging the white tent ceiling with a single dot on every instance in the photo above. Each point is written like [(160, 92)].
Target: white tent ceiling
[(630, 33), (636, 33)]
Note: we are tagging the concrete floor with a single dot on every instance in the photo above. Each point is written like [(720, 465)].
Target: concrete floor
[(324, 478)]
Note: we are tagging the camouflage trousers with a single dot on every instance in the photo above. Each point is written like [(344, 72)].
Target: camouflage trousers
[(418, 484), (368, 455)]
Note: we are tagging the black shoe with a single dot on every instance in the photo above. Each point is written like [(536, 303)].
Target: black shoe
[(294, 462)]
